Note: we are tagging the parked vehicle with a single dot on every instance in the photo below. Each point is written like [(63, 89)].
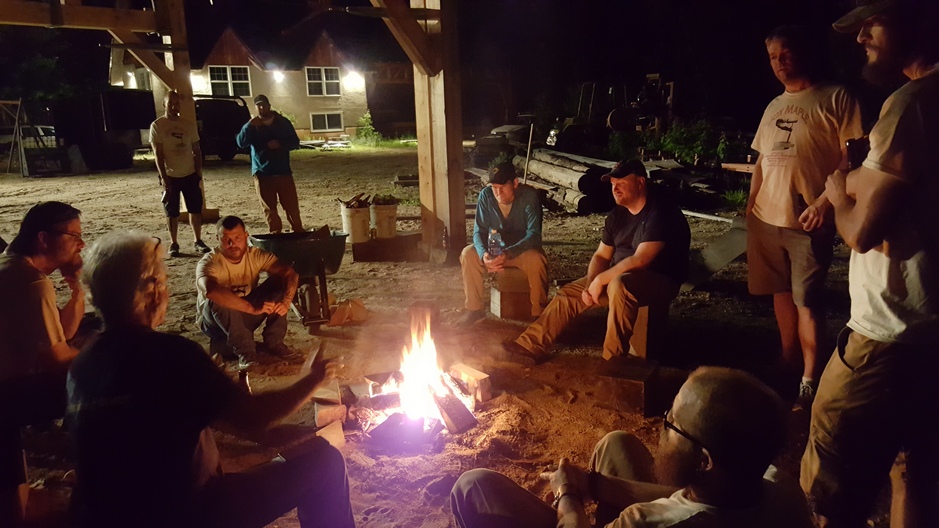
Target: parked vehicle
[(34, 136), (219, 119)]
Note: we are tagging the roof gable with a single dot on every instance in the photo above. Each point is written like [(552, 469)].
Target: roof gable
[(229, 50)]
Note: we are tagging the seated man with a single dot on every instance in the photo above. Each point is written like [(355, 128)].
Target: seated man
[(712, 469), (231, 305), (140, 403), (514, 211), (35, 333), (642, 259)]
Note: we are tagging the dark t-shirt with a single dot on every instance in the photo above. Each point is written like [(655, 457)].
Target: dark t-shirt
[(659, 221), (139, 405)]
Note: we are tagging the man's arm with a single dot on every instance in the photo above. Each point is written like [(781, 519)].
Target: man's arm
[(532, 238), (288, 135), (256, 413), (644, 255), (291, 279), (197, 157), (866, 201), (756, 182), (70, 315), (160, 158), (224, 297), (622, 493), (245, 137), (599, 262)]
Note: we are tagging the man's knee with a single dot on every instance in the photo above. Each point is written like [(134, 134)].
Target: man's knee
[(474, 479), (469, 257), (321, 462), (618, 448)]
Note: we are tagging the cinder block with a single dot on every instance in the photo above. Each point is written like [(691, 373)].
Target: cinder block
[(327, 414), (510, 305), (649, 331), (511, 280), (477, 382)]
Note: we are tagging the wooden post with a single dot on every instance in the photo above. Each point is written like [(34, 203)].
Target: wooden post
[(438, 115), (178, 60)]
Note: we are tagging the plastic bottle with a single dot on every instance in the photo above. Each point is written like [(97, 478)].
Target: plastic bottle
[(495, 244)]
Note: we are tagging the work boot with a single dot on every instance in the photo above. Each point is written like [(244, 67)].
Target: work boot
[(281, 351), (221, 349), (470, 317), (174, 250), (246, 359), (201, 247), (520, 354)]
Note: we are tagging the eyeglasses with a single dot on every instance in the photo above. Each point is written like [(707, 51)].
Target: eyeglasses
[(76, 236), (669, 425)]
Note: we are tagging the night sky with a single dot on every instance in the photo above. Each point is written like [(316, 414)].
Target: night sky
[(531, 55)]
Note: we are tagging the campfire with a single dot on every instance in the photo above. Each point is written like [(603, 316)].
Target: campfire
[(413, 404)]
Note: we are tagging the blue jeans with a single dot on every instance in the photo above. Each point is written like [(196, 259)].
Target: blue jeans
[(237, 328)]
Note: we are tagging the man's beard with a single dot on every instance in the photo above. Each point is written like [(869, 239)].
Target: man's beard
[(675, 468), (886, 71)]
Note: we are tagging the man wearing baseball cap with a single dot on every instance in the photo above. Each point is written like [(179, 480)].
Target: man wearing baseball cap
[(877, 396), (513, 211), (642, 259), (272, 137)]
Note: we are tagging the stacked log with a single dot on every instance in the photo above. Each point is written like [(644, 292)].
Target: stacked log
[(573, 182)]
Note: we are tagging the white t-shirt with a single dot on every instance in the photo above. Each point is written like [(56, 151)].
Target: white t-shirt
[(801, 136), (177, 137), (240, 278), (782, 505), (895, 287), (29, 317)]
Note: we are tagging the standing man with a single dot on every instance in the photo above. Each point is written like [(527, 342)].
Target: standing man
[(514, 211), (790, 231), (175, 143), (34, 333), (232, 304), (142, 401), (642, 259), (878, 393), (272, 137)]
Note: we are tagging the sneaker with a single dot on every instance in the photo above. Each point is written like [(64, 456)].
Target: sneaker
[(220, 348), (174, 250), (246, 360), (201, 247), (805, 398), (470, 317), (518, 352)]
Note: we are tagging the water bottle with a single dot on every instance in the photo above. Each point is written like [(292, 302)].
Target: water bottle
[(495, 244)]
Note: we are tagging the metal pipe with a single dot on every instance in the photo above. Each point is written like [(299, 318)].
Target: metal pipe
[(531, 133), (707, 216)]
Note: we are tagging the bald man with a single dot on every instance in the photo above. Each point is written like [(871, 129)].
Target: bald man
[(713, 469)]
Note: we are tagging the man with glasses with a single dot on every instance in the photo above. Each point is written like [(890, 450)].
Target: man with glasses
[(712, 469), (34, 332), (878, 394)]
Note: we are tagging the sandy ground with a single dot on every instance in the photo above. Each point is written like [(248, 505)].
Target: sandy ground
[(537, 415)]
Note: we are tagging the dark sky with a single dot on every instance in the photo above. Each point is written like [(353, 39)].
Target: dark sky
[(526, 55)]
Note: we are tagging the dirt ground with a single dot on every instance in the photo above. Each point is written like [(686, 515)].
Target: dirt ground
[(537, 415)]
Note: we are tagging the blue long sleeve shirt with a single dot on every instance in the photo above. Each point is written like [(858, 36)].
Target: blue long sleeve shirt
[(521, 231), (266, 161)]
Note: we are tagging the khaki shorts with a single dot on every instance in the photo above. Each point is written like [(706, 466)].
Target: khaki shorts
[(782, 260)]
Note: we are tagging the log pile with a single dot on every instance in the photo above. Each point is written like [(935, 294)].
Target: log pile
[(572, 182)]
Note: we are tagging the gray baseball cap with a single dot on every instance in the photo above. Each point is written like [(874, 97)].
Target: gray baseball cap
[(851, 22)]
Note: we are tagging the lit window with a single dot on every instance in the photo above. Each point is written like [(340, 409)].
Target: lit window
[(326, 122), (322, 81), (230, 80)]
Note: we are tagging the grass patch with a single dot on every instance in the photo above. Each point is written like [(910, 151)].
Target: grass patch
[(736, 199)]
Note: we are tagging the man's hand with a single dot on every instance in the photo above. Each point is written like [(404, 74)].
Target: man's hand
[(281, 308), (266, 308), (273, 144), (493, 264), (814, 215), (836, 188), (71, 272), (323, 372), (591, 295), (568, 478)]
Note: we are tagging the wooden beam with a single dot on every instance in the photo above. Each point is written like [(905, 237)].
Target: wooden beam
[(173, 11), (410, 35), (26, 13), (147, 58)]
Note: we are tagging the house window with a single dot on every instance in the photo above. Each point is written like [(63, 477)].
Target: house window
[(230, 80), (322, 81), (326, 122)]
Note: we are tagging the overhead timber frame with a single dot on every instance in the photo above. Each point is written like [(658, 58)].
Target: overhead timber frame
[(431, 43), (125, 25)]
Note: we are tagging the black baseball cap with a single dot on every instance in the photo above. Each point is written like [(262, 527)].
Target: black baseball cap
[(851, 22), (625, 168), (502, 173), (261, 99)]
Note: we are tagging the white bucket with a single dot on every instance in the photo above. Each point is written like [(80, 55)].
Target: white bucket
[(384, 220), (355, 223)]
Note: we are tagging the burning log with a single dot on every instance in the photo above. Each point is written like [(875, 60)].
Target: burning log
[(455, 415)]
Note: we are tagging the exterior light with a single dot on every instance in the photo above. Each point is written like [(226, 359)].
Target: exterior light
[(353, 82), (198, 83), (278, 76)]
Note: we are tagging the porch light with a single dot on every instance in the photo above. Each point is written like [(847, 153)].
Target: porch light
[(278, 76), (198, 83), (353, 82)]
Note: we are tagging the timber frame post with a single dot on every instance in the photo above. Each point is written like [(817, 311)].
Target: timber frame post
[(431, 44), (124, 25)]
